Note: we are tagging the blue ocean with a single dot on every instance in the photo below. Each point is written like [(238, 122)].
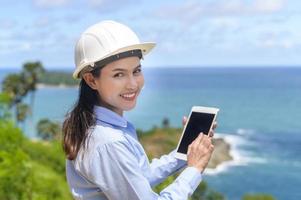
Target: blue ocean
[(260, 115)]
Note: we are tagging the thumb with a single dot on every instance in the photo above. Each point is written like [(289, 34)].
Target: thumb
[(184, 120)]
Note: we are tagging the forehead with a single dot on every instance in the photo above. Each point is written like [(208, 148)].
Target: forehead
[(128, 63)]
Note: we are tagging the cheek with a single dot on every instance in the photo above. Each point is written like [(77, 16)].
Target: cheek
[(141, 81), (108, 88)]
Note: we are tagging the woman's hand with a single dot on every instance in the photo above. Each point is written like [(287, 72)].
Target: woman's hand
[(200, 150), (211, 133)]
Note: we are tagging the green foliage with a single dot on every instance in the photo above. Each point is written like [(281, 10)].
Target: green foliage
[(11, 138), (14, 175), (22, 111), (4, 106), (159, 141), (165, 123), (164, 184), (32, 71), (58, 78), (200, 192), (17, 86), (30, 170), (47, 184), (49, 130), (257, 197), (214, 195), (13, 85), (46, 153)]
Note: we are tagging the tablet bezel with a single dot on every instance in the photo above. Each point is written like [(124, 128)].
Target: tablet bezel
[(201, 109)]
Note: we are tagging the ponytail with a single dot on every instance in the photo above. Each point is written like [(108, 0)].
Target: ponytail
[(80, 119)]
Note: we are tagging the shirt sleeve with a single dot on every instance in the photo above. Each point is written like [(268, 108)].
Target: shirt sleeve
[(161, 168), (115, 170)]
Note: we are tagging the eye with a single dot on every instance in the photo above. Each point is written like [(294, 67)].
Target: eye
[(118, 75), (138, 71)]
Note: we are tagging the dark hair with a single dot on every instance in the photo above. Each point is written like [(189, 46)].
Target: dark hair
[(80, 119)]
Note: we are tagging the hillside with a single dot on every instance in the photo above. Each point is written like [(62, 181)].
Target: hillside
[(159, 141)]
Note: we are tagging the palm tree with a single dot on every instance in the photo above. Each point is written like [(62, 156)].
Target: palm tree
[(17, 86), (22, 111), (13, 85), (32, 71), (48, 130)]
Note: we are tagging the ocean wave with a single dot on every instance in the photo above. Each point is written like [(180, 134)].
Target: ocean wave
[(242, 131), (241, 157)]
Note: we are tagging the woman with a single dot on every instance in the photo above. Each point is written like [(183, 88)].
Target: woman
[(104, 158)]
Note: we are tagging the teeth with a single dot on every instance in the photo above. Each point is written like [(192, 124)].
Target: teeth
[(128, 95)]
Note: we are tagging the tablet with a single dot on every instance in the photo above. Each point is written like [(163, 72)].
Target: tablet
[(200, 120)]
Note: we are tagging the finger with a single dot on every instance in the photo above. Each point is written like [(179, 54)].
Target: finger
[(214, 125), (189, 150), (199, 139), (206, 141), (211, 133), (184, 120)]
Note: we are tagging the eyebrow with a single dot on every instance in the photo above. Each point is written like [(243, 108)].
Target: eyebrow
[(124, 70)]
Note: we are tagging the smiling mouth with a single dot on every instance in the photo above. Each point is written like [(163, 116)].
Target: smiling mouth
[(129, 96)]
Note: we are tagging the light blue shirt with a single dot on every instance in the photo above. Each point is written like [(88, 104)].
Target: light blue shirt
[(114, 166)]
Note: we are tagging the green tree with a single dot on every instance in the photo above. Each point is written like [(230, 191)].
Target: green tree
[(15, 89), (48, 130), (257, 197), (204, 193), (22, 111), (200, 192), (32, 71), (4, 108), (214, 195), (17, 86), (165, 123), (27, 177), (13, 85)]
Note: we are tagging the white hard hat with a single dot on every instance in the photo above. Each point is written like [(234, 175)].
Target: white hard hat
[(103, 40)]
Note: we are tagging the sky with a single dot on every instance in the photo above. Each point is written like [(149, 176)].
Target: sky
[(195, 33)]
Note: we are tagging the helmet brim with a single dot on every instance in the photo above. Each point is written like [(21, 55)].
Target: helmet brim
[(145, 48)]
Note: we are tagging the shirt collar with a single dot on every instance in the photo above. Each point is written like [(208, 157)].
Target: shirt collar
[(110, 117)]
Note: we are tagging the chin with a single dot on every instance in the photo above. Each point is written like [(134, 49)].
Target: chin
[(129, 107)]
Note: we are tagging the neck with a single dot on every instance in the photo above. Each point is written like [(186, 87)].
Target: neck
[(112, 108)]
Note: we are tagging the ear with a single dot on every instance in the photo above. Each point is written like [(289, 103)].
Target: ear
[(90, 80)]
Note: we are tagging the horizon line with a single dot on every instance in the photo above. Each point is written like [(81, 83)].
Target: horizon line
[(175, 66)]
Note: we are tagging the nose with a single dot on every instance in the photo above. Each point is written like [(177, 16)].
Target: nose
[(132, 83)]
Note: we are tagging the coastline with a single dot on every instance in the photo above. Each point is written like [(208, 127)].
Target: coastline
[(221, 153), (237, 159), (158, 142), (59, 86)]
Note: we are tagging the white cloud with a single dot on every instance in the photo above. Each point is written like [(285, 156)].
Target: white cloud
[(195, 10), (7, 24), (226, 22), (268, 5), (14, 47), (108, 5), (276, 40), (50, 3), (97, 2), (41, 22)]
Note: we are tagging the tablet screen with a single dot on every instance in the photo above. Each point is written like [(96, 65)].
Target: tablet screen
[(198, 122)]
